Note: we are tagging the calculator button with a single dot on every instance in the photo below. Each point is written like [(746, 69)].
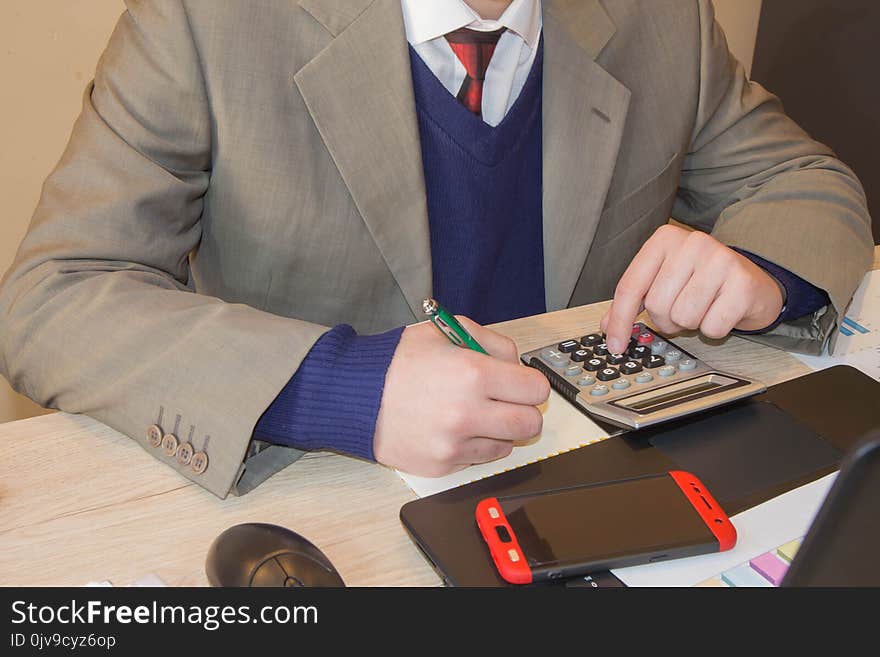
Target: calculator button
[(573, 370), (587, 380), (555, 358), (666, 370), (601, 349), (568, 346), (687, 364), (645, 377), (616, 359), (558, 363), (599, 390), (659, 346), (608, 374), (622, 384), (637, 328), (631, 367), (672, 355), (645, 338), (594, 364), (591, 339), (652, 362), (581, 355), (639, 351)]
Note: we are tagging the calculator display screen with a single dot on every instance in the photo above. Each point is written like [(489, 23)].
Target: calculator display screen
[(676, 394), (671, 396)]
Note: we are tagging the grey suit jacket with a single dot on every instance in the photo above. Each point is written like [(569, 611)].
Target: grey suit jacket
[(246, 174)]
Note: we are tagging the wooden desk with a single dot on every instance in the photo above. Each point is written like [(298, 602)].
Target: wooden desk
[(80, 502)]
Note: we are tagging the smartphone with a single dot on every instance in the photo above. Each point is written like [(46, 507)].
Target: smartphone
[(575, 531)]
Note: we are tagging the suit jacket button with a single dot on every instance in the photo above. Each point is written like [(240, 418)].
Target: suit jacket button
[(199, 462), (184, 453), (169, 444), (154, 435)]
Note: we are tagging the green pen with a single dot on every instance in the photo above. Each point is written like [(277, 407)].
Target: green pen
[(449, 326)]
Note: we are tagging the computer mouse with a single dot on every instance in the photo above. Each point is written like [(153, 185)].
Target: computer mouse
[(259, 554)]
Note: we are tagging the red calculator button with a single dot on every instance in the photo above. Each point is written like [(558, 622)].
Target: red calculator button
[(636, 330), (646, 338)]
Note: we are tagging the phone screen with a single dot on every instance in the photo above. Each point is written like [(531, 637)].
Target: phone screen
[(603, 521)]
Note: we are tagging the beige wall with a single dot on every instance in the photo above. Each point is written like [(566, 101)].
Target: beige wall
[(48, 54), (739, 18), (49, 50)]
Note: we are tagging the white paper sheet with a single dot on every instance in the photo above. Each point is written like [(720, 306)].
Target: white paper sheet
[(859, 345), (565, 428), (759, 530)]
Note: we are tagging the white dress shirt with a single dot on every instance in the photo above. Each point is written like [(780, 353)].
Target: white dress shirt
[(428, 20)]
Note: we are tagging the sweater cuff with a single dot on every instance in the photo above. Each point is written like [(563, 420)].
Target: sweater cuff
[(801, 297), (332, 401)]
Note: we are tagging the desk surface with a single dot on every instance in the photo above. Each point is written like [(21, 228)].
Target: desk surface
[(81, 502)]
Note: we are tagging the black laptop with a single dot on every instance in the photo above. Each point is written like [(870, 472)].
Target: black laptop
[(842, 547)]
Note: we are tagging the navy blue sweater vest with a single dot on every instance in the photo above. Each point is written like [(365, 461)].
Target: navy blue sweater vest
[(484, 192)]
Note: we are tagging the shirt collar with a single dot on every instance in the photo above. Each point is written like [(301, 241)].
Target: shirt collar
[(429, 19)]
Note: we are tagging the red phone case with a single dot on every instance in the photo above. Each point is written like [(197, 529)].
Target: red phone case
[(508, 557), (511, 562)]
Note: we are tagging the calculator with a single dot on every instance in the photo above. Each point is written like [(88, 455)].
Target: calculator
[(654, 381)]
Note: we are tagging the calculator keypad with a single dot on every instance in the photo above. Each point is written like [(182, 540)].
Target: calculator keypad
[(649, 360)]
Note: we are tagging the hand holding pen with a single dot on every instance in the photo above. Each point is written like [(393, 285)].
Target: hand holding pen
[(445, 407)]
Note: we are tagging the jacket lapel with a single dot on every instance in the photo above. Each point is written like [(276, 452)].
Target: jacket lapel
[(359, 93), (583, 118)]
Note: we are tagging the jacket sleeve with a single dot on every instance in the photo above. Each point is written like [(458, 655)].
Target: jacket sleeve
[(758, 182), (97, 312)]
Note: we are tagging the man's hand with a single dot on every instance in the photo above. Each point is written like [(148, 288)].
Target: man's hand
[(444, 407), (689, 280)]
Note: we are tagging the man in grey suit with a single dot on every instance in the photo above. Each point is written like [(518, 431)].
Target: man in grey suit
[(256, 199)]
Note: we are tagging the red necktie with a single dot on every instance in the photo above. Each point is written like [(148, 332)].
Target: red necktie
[(474, 49)]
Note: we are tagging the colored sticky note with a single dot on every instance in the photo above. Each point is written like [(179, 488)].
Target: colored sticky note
[(744, 576), (713, 582), (788, 550), (771, 567)]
